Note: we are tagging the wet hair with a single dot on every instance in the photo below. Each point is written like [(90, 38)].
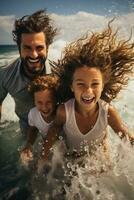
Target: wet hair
[(35, 23), (43, 83), (115, 60)]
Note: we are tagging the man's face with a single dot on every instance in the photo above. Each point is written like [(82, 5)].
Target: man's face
[(33, 51)]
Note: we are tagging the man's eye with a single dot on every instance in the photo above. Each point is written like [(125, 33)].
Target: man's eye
[(26, 47), (40, 48)]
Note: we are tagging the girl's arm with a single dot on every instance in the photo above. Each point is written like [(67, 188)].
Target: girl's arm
[(54, 131), (116, 123)]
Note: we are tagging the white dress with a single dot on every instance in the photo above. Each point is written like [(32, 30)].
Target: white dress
[(75, 140)]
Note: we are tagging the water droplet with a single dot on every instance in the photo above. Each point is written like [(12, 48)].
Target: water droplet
[(60, 138), (69, 164)]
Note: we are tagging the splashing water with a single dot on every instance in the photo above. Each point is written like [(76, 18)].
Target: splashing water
[(89, 178)]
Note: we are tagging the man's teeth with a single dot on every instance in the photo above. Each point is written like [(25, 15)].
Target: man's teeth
[(33, 60)]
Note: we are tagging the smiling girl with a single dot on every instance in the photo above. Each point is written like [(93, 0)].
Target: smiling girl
[(91, 73)]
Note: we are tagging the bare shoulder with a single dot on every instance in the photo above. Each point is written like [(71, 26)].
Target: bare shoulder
[(112, 111), (61, 114), (114, 119), (61, 110)]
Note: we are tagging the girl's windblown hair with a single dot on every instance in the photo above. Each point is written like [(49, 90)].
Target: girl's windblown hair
[(104, 51)]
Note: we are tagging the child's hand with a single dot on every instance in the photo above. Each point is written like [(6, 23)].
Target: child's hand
[(26, 156)]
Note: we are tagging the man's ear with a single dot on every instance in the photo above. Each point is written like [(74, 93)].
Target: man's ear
[(47, 51), (71, 87)]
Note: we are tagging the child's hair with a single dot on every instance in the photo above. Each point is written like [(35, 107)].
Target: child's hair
[(42, 83), (115, 60)]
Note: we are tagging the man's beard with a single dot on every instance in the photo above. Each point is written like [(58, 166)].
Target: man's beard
[(33, 71)]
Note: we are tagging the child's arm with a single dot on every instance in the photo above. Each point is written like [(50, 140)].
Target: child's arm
[(54, 131), (116, 123), (32, 135), (26, 152)]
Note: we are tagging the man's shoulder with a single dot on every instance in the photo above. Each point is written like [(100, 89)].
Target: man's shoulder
[(11, 70), (11, 66)]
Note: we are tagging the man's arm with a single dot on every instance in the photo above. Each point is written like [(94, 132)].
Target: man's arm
[(0, 113), (0, 110)]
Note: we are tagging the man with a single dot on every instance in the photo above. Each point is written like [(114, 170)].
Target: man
[(33, 35)]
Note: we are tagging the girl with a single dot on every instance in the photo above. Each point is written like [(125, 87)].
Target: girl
[(41, 116), (91, 73)]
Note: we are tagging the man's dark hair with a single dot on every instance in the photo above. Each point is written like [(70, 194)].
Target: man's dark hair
[(35, 23)]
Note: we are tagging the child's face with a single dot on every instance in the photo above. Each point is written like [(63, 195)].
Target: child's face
[(87, 86), (45, 102)]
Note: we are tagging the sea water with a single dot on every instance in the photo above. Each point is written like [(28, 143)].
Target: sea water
[(65, 179)]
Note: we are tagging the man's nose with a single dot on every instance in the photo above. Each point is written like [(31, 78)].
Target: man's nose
[(34, 54)]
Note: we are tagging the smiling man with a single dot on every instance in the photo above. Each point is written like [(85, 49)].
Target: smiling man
[(33, 35)]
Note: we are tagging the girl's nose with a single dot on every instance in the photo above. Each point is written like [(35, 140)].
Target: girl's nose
[(89, 89)]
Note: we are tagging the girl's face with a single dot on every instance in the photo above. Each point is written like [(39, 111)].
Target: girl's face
[(87, 86), (45, 103)]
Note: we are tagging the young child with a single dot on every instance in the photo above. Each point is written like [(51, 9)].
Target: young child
[(91, 73), (42, 115)]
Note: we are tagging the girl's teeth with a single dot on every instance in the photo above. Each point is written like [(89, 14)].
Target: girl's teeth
[(85, 98)]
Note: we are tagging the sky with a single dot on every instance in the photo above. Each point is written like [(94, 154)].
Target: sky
[(72, 17)]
